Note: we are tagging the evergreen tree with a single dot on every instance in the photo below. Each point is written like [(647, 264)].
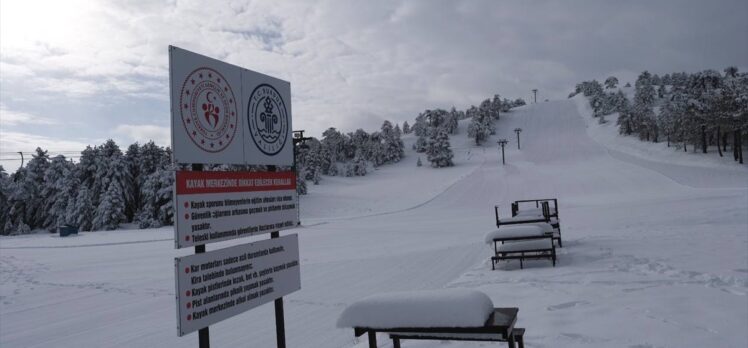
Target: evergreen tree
[(131, 189), (393, 148), (406, 128), (80, 209), (420, 144), (56, 192), (110, 212), (5, 186), (480, 127), (158, 209), (611, 82), (438, 151)]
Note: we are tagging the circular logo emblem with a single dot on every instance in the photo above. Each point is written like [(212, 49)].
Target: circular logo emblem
[(268, 119), (208, 110)]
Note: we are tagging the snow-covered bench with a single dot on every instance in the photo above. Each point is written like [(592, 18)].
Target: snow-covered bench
[(533, 211), (448, 314), (529, 207), (522, 242)]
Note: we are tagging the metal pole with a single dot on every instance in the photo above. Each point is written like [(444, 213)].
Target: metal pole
[(21, 153), (204, 333), (280, 325)]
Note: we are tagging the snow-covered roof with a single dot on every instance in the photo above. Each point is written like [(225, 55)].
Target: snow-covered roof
[(416, 309)]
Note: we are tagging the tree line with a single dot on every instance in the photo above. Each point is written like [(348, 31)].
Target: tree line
[(104, 189), (107, 187), (704, 109)]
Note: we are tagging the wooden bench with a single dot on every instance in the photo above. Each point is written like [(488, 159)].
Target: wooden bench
[(537, 210), (517, 332), (499, 327), (527, 249)]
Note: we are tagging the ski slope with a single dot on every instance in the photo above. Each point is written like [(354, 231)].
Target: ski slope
[(655, 252)]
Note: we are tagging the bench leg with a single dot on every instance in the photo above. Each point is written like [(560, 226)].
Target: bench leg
[(510, 341), (372, 339), (395, 342), (520, 342)]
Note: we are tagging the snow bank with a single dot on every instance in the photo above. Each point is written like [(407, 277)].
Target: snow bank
[(529, 230), (429, 308)]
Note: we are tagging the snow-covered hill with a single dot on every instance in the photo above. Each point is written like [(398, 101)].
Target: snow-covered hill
[(654, 255)]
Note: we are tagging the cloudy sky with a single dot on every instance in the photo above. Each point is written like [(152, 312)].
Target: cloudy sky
[(78, 72)]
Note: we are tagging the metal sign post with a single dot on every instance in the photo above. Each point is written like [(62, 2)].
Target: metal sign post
[(225, 114)]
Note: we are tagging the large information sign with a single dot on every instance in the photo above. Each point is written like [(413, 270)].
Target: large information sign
[(218, 206), (222, 113), (219, 284)]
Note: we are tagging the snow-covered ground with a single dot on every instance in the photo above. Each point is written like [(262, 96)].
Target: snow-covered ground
[(655, 251)]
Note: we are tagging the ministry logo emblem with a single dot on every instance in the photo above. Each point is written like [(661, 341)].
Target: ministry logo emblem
[(208, 110), (268, 119)]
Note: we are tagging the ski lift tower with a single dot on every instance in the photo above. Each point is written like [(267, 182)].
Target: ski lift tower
[(518, 130), (502, 142)]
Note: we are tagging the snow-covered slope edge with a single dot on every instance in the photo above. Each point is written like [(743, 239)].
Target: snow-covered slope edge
[(687, 168)]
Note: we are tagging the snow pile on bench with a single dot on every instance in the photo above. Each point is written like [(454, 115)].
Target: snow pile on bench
[(547, 228), (521, 219), (518, 231), (418, 309), (526, 245)]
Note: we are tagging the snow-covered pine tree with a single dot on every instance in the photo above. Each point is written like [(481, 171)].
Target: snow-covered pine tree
[(110, 212), (496, 107), (624, 119), (332, 170), (80, 209), (56, 191), (111, 170), (611, 82), (480, 127), (4, 206), (392, 144), (158, 207), (131, 189), (418, 163), (670, 117), (34, 180), (406, 128), (359, 164), (643, 116), (301, 188), (420, 144), (438, 151)]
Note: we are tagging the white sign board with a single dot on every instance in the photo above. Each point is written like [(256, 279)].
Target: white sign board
[(219, 284), (221, 113), (217, 206)]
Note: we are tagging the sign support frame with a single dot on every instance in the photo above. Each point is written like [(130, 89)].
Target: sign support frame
[(204, 333)]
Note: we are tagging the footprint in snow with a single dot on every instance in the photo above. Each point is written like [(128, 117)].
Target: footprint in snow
[(566, 305)]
